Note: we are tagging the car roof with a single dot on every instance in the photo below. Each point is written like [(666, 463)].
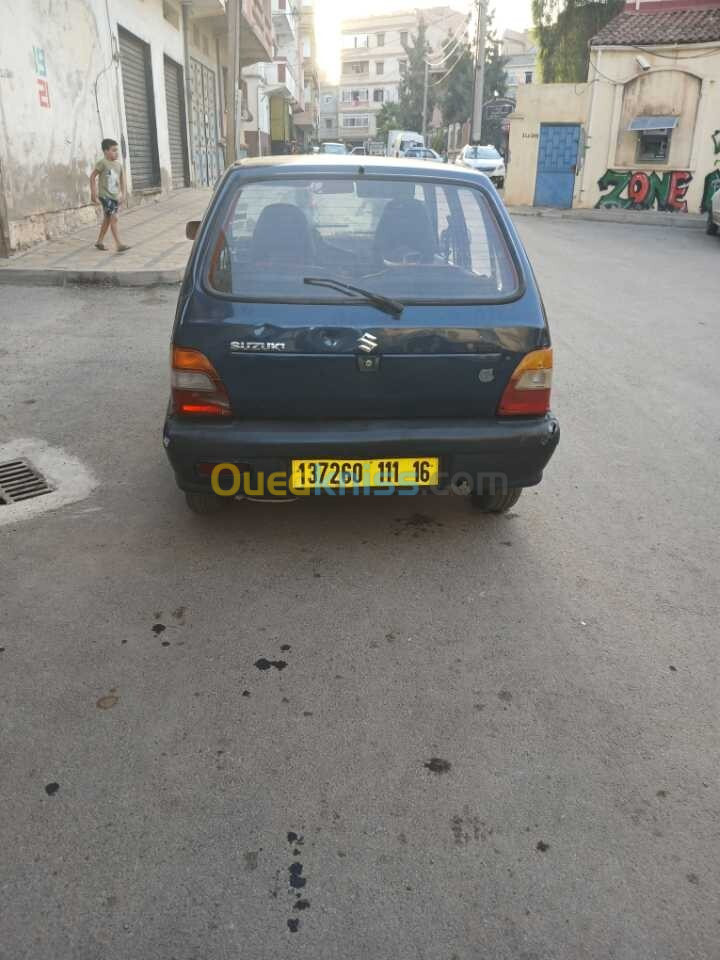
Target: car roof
[(320, 164)]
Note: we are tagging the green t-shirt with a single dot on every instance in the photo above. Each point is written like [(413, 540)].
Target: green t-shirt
[(110, 171)]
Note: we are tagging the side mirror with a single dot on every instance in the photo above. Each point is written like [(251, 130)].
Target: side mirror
[(191, 229)]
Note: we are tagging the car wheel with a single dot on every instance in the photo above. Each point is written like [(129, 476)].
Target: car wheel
[(712, 227), (206, 504), (496, 502)]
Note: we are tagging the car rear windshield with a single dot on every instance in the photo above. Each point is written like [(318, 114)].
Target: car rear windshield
[(412, 240), (483, 153)]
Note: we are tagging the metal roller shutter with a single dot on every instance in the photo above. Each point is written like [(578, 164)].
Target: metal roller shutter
[(139, 111), (175, 98)]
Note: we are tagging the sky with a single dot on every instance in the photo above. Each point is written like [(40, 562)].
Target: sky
[(509, 14)]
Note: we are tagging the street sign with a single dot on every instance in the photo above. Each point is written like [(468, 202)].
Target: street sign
[(495, 124)]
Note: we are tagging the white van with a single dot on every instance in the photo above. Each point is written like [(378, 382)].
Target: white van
[(399, 141)]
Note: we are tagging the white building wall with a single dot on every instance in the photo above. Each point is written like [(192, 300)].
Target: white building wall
[(60, 94)]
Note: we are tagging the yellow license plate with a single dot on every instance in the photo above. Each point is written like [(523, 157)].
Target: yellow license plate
[(337, 474)]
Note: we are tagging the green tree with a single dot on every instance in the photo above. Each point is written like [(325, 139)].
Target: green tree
[(495, 77), (412, 88), (388, 118), (457, 89), (563, 30)]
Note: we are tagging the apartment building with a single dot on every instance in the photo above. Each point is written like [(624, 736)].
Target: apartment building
[(328, 112), (374, 61), (282, 98), (521, 66), (308, 119)]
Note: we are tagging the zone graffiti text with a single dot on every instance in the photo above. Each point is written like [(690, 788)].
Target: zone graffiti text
[(640, 190)]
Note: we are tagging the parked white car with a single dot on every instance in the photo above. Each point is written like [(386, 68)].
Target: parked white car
[(328, 147), (713, 223), (422, 153), (486, 160)]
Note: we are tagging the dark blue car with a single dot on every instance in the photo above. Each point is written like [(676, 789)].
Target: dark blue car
[(358, 327)]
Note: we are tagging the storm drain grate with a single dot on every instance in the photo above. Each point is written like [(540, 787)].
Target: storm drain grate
[(19, 480)]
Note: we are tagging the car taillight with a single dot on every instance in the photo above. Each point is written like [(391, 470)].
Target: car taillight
[(197, 390), (528, 392)]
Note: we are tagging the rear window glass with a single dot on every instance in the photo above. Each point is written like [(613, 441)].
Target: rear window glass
[(482, 153), (406, 239)]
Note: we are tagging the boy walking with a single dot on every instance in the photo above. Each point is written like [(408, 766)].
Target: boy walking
[(109, 175)]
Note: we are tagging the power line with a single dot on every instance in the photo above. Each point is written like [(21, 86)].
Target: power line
[(454, 42), (436, 83), (668, 56)]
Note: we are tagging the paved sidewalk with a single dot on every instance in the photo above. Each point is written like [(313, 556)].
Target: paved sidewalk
[(646, 218), (155, 231)]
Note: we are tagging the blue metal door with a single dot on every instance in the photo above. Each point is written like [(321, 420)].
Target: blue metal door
[(557, 164)]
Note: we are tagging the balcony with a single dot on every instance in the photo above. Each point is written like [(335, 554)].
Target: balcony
[(284, 18), (208, 8), (256, 29), (281, 81), (307, 118), (354, 126)]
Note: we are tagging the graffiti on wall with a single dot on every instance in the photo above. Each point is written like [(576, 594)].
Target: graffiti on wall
[(41, 73), (640, 190), (712, 180)]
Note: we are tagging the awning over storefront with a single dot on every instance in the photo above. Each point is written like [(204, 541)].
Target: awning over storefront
[(653, 123)]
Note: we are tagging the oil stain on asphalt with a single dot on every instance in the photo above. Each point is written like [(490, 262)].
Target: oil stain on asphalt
[(264, 664), (437, 765), (297, 881)]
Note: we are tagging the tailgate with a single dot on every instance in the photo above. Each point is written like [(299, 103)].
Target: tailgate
[(357, 365)]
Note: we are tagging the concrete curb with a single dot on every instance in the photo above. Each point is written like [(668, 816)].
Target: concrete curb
[(636, 217), (50, 277)]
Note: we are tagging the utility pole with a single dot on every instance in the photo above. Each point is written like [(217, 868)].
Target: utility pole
[(425, 102), (232, 93), (479, 79)]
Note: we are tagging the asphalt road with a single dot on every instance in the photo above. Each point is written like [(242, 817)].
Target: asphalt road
[(561, 662)]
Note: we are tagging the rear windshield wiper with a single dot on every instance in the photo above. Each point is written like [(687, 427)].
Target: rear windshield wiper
[(386, 304)]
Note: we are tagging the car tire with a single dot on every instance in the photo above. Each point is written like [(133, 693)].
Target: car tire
[(712, 227), (206, 504), (496, 502)]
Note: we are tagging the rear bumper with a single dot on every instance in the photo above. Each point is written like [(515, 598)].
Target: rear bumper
[(482, 453)]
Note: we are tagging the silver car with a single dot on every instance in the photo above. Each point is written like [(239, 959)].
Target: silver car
[(422, 153), (486, 160), (338, 148)]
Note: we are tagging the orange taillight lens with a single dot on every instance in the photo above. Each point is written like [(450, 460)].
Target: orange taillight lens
[(197, 390), (528, 392)]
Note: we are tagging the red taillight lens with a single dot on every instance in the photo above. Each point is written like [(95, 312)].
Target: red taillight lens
[(528, 392), (197, 390)]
